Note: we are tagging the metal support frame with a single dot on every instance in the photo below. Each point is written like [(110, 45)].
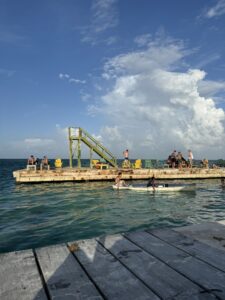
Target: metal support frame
[(80, 135)]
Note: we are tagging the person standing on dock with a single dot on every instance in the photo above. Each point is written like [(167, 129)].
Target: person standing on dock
[(190, 158), (126, 162), (126, 154)]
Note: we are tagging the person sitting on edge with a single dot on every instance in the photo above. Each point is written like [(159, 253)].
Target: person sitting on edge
[(152, 183), (118, 180), (44, 162), (31, 160)]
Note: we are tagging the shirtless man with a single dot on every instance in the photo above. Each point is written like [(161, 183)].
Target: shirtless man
[(126, 154), (118, 180)]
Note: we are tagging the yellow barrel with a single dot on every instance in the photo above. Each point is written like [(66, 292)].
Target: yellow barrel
[(58, 163), (138, 164)]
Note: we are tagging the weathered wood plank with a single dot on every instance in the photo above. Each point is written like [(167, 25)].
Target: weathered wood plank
[(162, 279), (196, 270), (113, 279), (211, 233), (19, 277), (64, 277), (210, 255)]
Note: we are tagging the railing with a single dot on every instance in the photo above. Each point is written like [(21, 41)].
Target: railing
[(93, 144)]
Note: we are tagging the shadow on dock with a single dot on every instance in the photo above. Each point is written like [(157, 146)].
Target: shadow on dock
[(156, 264)]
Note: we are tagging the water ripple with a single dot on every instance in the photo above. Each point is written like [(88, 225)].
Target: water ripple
[(44, 214)]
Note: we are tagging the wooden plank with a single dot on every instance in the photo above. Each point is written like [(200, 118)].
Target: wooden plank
[(64, 277), (210, 255), (196, 270), (113, 279), (211, 233), (162, 279), (19, 277)]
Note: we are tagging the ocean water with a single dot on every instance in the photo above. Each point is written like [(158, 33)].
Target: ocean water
[(35, 215)]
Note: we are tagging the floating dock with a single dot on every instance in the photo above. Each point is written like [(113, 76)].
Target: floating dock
[(88, 174), (108, 170), (182, 264)]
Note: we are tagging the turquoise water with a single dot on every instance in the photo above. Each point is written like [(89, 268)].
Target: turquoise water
[(34, 215)]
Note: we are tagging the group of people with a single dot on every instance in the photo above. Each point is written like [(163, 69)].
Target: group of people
[(176, 160), (32, 160)]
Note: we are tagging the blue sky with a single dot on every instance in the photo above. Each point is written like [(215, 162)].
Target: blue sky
[(144, 75)]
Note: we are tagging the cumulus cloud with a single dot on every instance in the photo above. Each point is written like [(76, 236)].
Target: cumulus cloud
[(215, 11), (113, 133), (155, 108), (210, 88)]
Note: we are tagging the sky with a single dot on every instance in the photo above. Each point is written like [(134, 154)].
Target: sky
[(148, 76)]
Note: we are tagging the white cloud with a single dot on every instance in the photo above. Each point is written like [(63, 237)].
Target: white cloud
[(70, 79), (155, 56), (112, 133), (63, 76), (97, 137), (77, 80), (85, 96), (156, 108), (37, 146), (216, 10), (143, 40), (111, 40), (93, 110), (104, 17), (209, 88), (208, 60), (31, 145), (56, 146)]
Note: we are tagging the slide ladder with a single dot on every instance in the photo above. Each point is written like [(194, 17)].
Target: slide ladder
[(80, 135)]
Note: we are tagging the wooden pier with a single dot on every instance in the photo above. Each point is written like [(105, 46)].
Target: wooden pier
[(87, 174), (182, 263)]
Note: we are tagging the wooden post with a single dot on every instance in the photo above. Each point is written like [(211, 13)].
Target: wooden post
[(91, 152)]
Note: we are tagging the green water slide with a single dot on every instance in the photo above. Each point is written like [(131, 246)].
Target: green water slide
[(80, 135)]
